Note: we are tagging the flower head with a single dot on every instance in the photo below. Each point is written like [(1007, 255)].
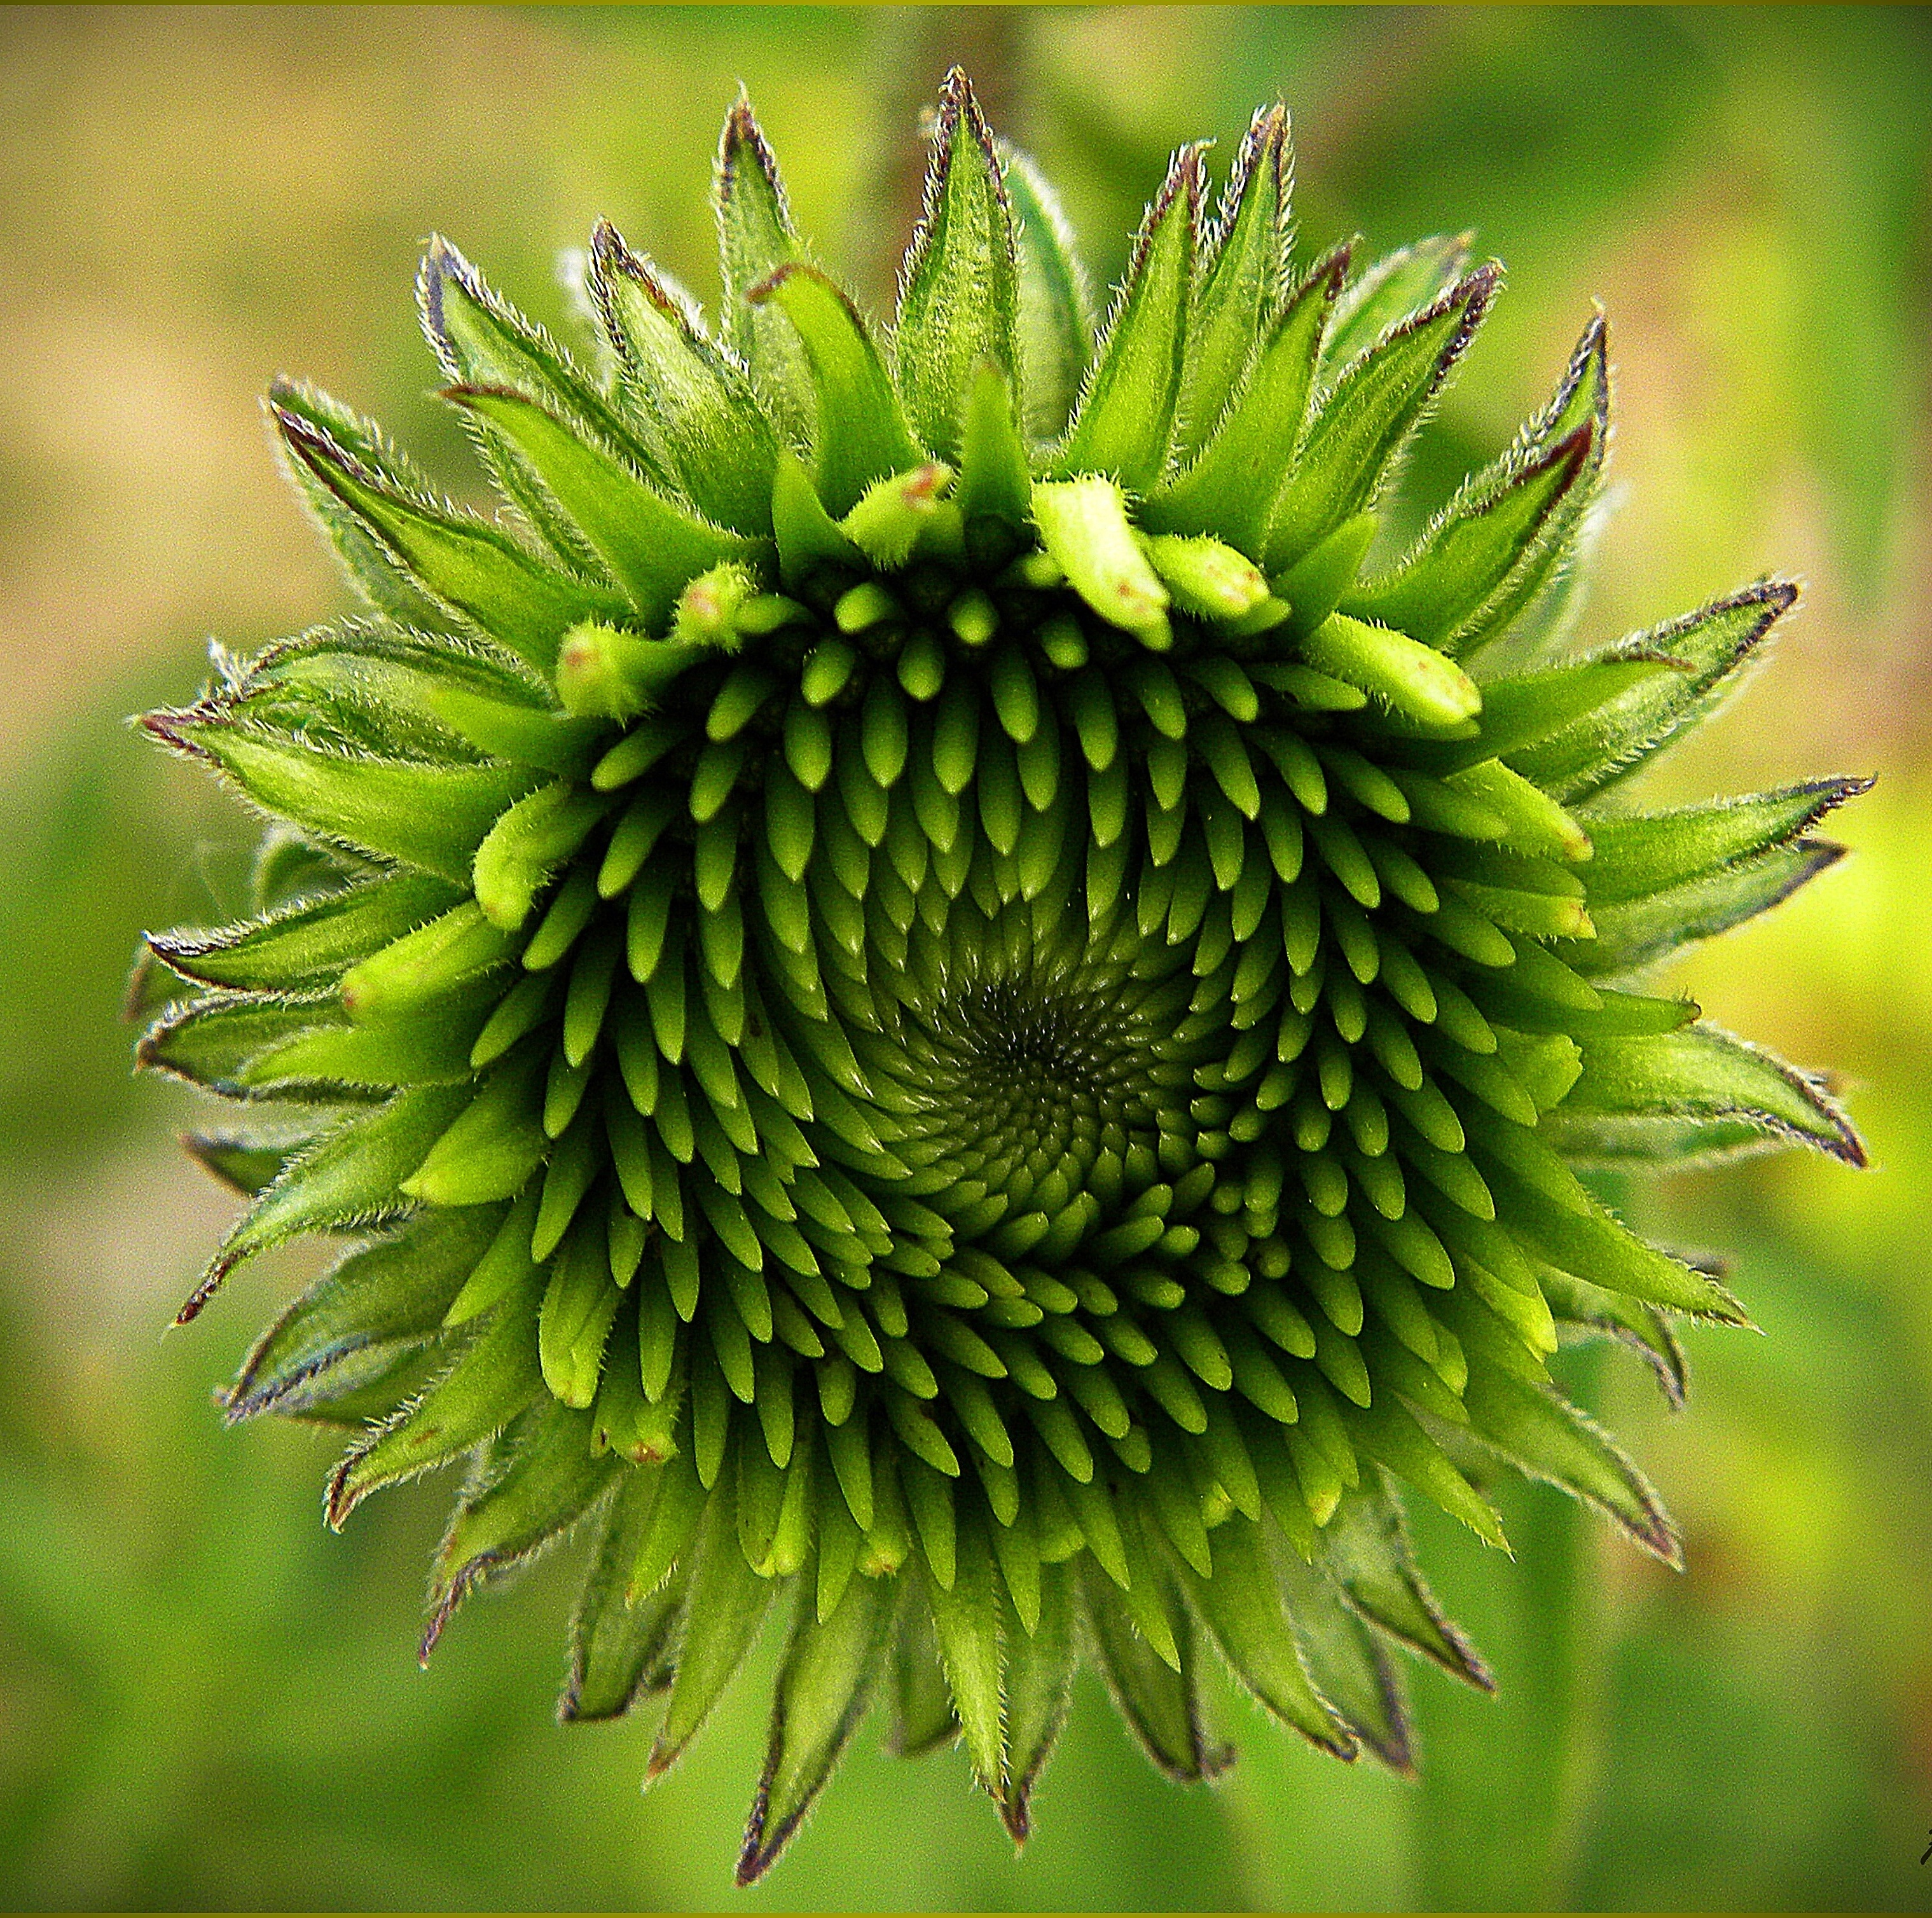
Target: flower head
[(932, 997)]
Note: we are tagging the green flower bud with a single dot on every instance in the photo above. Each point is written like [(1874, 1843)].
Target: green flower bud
[(928, 1002)]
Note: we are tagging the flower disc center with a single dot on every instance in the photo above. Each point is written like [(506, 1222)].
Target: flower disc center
[(1027, 1067)]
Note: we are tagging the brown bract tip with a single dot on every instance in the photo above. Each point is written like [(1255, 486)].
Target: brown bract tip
[(440, 260), (1847, 1146), (755, 1855), (742, 135), (609, 249), (340, 1499), (1185, 173), (135, 1002), (1470, 295), (958, 105), (610, 254), (444, 1597), (447, 1601), (1777, 595), (463, 392), (1660, 1539), (956, 92), (1475, 291), (310, 442), (1591, 361), (1332, 269), (211, 1283), (1471, 1666), (1266, 138), (172, 728)]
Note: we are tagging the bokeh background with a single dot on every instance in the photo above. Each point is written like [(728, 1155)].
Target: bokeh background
[(205, 1699)]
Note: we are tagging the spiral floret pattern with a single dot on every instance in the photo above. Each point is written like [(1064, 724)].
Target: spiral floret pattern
[(925, 1001)]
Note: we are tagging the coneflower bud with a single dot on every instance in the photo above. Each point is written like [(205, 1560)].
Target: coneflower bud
[(925, 1003)]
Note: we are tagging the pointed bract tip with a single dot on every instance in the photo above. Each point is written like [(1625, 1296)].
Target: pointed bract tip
[(134, 1003), (1398, 1754), (445, 1600), (1476, 289), (208, 1151), (1187, 170), (1776, 595), (609, 250), (1183, 179), (1268, 124), (741, 119), (304, 435), (339, 1497), (742, 135), (611, 253), (959, 103), (1728, 1309), (236, 1406), (171, 728), (1821, 855), (312, 444), (955, 91), (1470, 295), (211, 1283), (758, 1852), (1589, 359), (1848, 1148), (1266, 138), (440, 261), (1332, 268), (1471, 1667), (463, 393)]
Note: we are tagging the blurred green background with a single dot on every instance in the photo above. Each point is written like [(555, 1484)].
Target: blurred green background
[(207, 1700)]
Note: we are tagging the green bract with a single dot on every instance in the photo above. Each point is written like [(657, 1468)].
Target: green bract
[(926, 1004)]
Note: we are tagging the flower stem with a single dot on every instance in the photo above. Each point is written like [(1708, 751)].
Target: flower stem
[(1505, 1781)]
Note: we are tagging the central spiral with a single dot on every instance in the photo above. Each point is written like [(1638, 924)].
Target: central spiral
[(1032, 1072)]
